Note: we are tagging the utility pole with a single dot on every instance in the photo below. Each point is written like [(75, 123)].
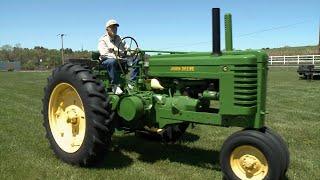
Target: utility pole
[(319, 39), (61, 36)]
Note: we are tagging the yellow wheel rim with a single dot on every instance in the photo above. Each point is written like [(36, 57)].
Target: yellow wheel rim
[(67, 118), (248, 162)]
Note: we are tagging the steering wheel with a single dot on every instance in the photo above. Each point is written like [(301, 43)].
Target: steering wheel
[(132, 48)]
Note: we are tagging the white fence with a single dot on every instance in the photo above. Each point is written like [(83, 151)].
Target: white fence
[(294, 60)]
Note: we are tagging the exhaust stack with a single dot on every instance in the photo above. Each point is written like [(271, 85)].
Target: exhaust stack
[(216, 39)]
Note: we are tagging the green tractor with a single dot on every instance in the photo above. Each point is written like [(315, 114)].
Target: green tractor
[(173, 90)]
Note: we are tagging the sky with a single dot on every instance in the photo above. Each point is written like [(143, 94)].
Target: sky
[(159, 25)]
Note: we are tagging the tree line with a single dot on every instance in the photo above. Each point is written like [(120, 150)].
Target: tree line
[(38, 57), (43, 58)]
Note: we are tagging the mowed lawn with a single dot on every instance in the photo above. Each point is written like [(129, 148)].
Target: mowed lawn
[(294, 112)]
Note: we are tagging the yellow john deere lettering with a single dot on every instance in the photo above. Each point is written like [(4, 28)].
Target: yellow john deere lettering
[(182, 68)]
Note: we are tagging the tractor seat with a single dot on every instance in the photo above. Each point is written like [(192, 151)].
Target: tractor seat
[(95, 55), (83, 61), (93, 62)]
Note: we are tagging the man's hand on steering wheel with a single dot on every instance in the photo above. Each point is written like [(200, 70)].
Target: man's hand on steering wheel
[(120, 54), (128, 53), (132, 52)]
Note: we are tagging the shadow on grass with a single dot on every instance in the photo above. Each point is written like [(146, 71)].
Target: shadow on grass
[(187, 137), (152, 151), (114, 159)]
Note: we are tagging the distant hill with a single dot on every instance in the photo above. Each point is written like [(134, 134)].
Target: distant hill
[(288, 51)]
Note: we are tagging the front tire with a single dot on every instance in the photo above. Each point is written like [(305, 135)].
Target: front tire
[(250, 154), (76, 115), (283, 148)]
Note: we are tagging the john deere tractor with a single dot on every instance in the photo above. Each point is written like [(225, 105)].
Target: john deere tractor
[(172, 90)]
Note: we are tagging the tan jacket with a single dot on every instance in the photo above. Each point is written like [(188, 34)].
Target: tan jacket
[(107, 46)]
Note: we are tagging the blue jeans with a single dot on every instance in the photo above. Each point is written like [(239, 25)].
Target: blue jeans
[(135, 71), (111, 65)]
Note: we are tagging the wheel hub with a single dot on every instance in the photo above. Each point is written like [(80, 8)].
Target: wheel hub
[(67, 117), (73, 114), (248, 162)]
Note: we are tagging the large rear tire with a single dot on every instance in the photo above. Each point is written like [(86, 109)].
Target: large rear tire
[(76, 115)]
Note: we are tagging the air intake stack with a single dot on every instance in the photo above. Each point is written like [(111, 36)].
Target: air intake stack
[(228, 31), (216, 37)]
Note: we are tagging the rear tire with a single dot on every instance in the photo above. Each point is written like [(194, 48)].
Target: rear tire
[(250, 154), (97, 124), (173, 132), (169, 134)]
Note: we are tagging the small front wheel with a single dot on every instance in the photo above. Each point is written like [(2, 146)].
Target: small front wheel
[(283, 148), (250, 154)]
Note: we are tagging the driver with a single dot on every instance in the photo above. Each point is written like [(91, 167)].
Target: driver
[(108, 48)]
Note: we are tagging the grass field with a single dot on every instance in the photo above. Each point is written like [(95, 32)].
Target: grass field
[(294, 112)]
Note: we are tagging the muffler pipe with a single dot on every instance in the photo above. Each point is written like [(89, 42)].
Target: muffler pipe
[(216, 39)]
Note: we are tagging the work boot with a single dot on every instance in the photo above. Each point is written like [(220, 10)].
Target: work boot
[(130, 86), (117, 90)]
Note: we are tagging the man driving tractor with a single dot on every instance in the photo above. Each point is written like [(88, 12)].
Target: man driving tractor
[(111, 47)]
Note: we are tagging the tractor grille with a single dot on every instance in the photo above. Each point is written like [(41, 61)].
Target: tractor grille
[(245, 85)]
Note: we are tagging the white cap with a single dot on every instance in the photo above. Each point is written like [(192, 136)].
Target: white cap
[(111, 22)]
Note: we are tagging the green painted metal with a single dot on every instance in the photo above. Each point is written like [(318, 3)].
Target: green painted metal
[(210, 95), (228, 31), (236, 98), (113, 100), (165, 52), (242, 81), (130, 108)]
